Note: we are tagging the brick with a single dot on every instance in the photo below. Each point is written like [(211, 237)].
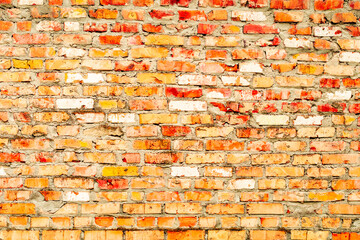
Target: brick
[(149, 52), (194, 15), (162, 14), (120, 171), (164, 40), (175, 66), (265, 234), (344, 17), (186, 235), (244, 54), (225, 208), (246, 128), (344, 209), (265, 208), (206, 28), (260, 29), (157, 118), (326, 31), (289, 4), (328, 4), (247, 16), (298, 43), (187, 106), (110, 40), (272, 120), (31, 38), (284, 171), (327, 146), (292, 16), (270, 159), (222, 41)]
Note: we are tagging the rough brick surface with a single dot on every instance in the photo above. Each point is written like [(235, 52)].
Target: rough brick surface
[(179, 119)]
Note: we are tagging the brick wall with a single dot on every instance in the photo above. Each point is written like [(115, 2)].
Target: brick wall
[(179, 119)]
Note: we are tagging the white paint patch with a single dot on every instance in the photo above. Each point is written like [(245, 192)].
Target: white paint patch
[(310, 120)]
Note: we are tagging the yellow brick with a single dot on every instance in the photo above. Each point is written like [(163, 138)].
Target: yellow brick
[(35, 64), (137, 196), (263, 82), (120, 171), (17, 63), (108, 104), (164, 40)]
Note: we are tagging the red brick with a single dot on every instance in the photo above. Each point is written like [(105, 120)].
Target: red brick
[(328, 4), (260, 29), (289, 4)]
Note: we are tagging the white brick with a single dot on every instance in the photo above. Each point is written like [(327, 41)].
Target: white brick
[(187, 106), (338, 95), (71, 103), (72, 52), (184, 172), (31, 2), (272, 119), (251, 67), (308, 120), (87, 78), (76, 196), (235, 81), (248, 16), (215, 94), (242, 184), (122, 118), (71, 26), (326, 31), (2, 171), (349, 57), (298, 43), (191, 79)]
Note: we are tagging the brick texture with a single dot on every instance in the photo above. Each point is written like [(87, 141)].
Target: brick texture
[(179, 119)]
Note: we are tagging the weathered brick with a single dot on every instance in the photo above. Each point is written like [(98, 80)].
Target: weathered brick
[(133, 119)]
